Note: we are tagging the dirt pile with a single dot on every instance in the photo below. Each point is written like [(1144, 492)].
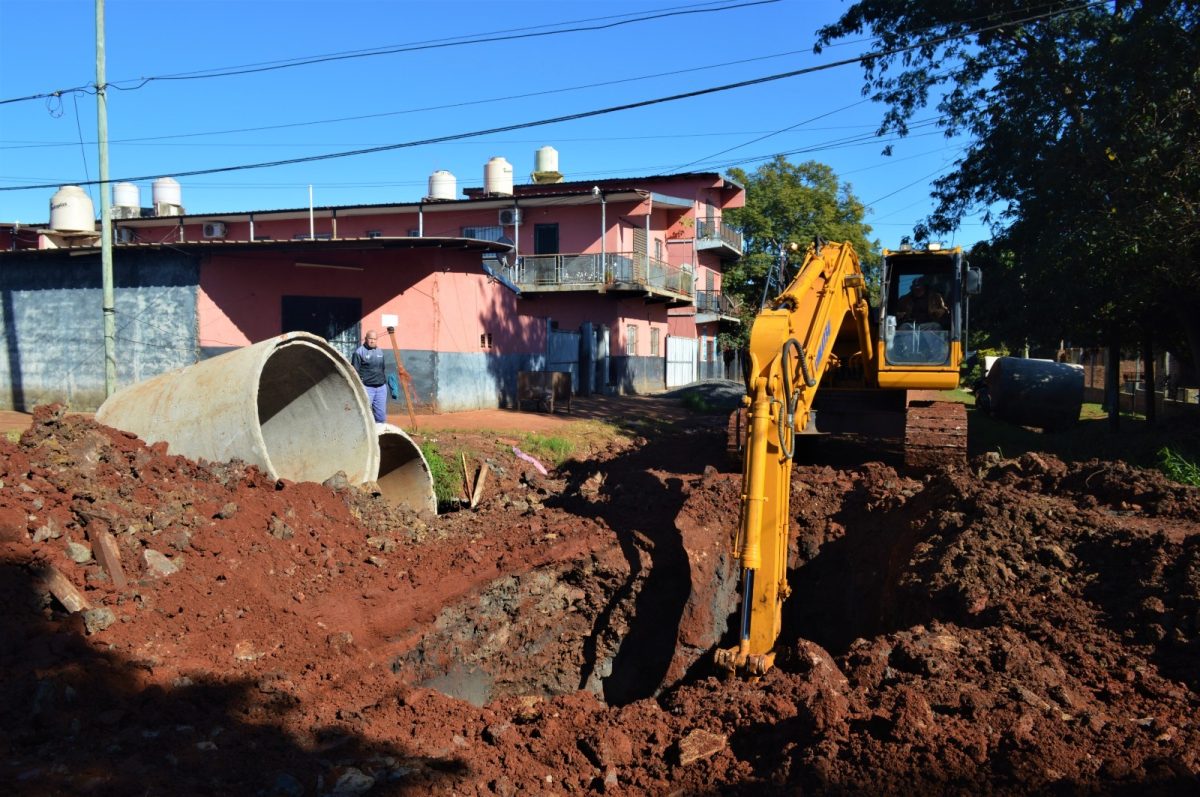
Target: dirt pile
[(1032, 626)]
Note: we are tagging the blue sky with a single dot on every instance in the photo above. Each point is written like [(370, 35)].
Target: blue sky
[(179, 123)]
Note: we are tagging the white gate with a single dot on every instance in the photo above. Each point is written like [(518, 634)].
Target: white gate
[(681, 360), (563, 355)]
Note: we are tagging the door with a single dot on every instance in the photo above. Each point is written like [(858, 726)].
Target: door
[(334, 318), (681, 360), (563, 354), (545, 239)]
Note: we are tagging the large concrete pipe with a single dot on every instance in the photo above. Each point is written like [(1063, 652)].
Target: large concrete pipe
[(404, 475), (291, 405), (1035, 392)]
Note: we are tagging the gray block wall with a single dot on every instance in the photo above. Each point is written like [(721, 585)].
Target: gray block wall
[(52, 324)]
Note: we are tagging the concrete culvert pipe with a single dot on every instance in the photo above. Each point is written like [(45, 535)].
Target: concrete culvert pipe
[(291, 405), (404, 475)]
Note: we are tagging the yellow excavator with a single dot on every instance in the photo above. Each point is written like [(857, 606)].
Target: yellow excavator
[(821, 362)]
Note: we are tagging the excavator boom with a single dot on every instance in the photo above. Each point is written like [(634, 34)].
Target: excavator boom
[(818, 339)]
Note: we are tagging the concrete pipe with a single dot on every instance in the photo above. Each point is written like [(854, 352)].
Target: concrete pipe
[(291, 405), (404, 475)]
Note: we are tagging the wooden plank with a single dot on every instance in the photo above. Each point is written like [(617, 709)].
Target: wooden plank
[(63, 590), (108, 555), (477, 493)]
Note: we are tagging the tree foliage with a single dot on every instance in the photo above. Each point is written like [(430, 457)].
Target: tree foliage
[(790, 203), (1084, 148)]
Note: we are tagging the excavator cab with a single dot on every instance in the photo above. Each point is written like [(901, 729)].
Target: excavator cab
[(921, 317)]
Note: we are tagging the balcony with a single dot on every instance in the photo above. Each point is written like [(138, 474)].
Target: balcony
[(714, 235), (615, 272), (716, 306)]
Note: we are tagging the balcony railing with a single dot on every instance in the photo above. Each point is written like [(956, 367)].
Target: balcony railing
[(595, 271), (715, 233), (716, 302)]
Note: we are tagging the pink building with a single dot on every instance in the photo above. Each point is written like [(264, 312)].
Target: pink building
[(617, 281)]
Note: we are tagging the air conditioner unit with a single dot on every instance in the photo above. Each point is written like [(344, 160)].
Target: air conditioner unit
[(124, 235), (510, 217), (214, 229)]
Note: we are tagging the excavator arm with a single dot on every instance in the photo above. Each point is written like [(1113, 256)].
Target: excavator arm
[(791, 348)]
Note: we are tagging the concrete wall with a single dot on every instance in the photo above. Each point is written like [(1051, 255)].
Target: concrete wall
[(53, 328), (1167, 408), (639, 374)]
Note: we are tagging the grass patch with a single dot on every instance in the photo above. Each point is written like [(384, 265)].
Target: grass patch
[(447, 481), (696, 403), (550, 449), (1177, 467)]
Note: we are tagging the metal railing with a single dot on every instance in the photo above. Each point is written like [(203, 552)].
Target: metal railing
[(596, 271), (716, 302), (718, 231)]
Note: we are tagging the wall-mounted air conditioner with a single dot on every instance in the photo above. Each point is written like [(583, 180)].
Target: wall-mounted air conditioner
[(510, 217), (214, 229), (124, 235)]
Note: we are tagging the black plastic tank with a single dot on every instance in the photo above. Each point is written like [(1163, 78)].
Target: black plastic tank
[(1039, 393)]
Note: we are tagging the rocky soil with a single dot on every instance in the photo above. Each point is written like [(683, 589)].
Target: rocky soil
[(183, 628)]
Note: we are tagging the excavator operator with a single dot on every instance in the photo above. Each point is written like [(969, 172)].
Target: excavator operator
[(924, 308)]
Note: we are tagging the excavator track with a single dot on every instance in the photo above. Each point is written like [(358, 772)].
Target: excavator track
[(935, 432)]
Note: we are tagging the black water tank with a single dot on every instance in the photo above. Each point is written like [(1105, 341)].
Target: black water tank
[(1039, 393)]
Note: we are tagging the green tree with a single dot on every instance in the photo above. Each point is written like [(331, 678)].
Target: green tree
[(790, 203), (1084, 148)]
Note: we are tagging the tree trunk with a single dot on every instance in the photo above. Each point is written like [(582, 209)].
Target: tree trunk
[(1112, 384), (1148, 359)]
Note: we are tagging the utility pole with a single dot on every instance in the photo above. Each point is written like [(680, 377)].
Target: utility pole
[(106, 262)]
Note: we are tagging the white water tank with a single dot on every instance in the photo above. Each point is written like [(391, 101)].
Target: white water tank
[(498, 177), (71, 210), (167, 191), (545, 160), (126, 195), (442, 185)]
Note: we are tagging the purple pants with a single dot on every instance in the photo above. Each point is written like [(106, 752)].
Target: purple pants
[(378, 399)]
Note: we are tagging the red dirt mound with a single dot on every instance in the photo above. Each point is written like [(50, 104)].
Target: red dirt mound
[(187, 628)]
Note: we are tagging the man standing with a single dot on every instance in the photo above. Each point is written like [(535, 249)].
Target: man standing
[(368, 362)]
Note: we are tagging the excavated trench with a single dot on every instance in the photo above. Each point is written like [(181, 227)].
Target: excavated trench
[(637, 615), (643, 615)]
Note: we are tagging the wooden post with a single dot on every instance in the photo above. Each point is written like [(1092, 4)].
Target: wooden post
[(403, 377)]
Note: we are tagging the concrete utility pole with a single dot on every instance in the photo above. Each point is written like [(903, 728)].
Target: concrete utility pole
[(106, 263)]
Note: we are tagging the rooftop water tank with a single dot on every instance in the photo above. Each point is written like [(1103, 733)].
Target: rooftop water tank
[(498, 177), (545, 166), (442, 185), (166, 190), (126, 195), (71, 210)]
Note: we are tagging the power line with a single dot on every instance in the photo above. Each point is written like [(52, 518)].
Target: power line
[(446, 106), (568, 117), (429, 45)]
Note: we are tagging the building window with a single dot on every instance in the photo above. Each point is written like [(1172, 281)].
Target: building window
[(483, 233), (374, 233), (263, 238), (414, 233), (658, 253), (631, 340), (654, 342), (485, 340)]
